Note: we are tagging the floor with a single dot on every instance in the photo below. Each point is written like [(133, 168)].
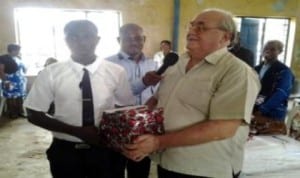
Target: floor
[(23, 145), (22, 150)]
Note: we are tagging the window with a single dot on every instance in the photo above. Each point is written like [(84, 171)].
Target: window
[(39, 31), (255, 32)]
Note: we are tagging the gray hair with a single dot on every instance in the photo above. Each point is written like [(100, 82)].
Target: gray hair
[(278, 44), (227, 23)]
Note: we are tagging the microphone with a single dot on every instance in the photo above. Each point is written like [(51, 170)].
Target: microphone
[(169, 60)]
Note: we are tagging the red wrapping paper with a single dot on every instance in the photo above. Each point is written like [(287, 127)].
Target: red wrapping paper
[(121, 126)]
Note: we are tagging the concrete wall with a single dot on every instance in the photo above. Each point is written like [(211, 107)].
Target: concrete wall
[(155, 16), (255, 8)]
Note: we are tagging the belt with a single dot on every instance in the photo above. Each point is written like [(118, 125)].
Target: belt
[(75, 145)]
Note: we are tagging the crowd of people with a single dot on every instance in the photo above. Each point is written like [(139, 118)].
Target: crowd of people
[(210, 97)]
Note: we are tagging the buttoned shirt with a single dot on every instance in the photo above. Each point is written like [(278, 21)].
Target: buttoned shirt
[(135, 72), (60, 83), (220, 87)]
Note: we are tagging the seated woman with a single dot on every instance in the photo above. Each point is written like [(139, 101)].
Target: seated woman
[(276, 84)]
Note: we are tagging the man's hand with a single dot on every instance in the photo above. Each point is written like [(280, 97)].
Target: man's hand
[(151, 103), (89, 134), (142, 147), (151, 78)]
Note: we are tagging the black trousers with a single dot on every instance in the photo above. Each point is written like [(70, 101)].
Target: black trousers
[(164, 173), (139, 169), (69, 159)]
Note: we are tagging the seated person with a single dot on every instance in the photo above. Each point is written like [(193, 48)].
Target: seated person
[(276, 84)]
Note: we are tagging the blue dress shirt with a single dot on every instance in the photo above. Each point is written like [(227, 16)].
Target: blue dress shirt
[(135, 72)]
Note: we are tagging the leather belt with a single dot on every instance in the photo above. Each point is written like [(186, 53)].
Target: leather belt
[(75, 145)]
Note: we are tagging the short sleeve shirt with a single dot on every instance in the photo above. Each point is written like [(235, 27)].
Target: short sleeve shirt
[(220, 87), (59, 83)]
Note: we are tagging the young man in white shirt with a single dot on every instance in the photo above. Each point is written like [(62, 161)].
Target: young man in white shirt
[(76, 150)]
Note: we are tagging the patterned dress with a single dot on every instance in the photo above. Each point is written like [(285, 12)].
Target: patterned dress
[(14, 85)]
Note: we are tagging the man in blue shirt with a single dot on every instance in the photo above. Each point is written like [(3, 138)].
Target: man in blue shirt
[(143, 79)]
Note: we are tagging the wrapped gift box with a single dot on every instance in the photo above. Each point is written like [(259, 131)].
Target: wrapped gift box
[(121, 126)]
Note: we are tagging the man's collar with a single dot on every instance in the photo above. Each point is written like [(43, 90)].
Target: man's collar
[(123, 55), (91, 67), (215, 56)]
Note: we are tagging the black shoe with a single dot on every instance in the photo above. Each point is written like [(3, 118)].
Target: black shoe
[(13, 116)]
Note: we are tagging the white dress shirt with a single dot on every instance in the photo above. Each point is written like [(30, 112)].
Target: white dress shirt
[(159, 58), (60, 83)]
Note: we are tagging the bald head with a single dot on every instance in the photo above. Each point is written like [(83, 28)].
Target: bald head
[(128, 28), (210, 31), (224, 19), (132, 39), (272, 50)]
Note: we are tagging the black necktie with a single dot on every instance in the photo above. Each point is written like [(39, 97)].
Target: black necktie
[(87, 100)]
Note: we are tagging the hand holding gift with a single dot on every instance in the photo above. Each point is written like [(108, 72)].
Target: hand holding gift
[(141, 147), (122, 126)]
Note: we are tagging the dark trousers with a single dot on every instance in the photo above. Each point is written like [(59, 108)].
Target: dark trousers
[(139, 169), (134, 169), (163, 173), (69, 159), (14, 107)]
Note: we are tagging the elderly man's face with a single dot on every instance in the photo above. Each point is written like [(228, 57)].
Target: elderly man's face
[(205, 35), (271, 51), (132, 42)]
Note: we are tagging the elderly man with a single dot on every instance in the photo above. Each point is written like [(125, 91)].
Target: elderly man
[(207, 98), (142, 77), (81, 89), (276, 84)]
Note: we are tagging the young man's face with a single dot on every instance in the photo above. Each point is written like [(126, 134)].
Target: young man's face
[(82, 42)]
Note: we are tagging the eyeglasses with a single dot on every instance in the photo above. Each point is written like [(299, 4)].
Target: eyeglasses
[(200, 27)]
